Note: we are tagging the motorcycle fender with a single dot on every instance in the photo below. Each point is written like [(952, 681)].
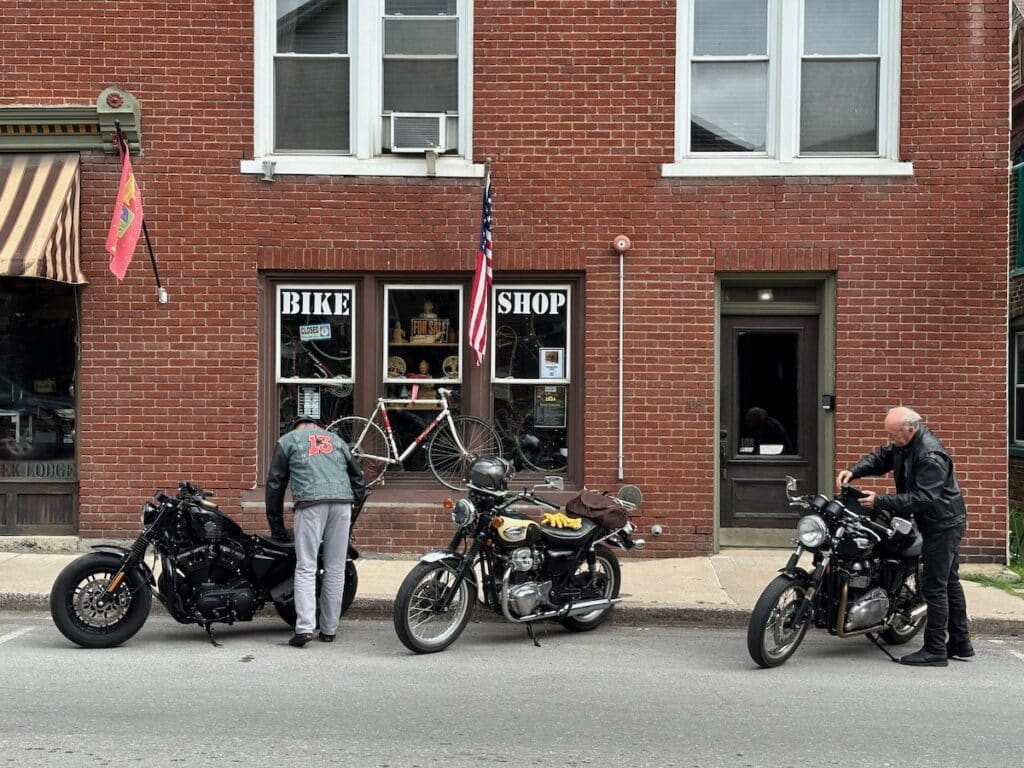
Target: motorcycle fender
[(111, 549), (795, 573), (451, 561)]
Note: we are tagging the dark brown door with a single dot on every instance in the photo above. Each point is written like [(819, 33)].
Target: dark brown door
[(769, 413)]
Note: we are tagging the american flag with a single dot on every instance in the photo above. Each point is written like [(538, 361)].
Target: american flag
[(481, 280)]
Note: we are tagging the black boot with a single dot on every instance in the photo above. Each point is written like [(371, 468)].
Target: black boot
[(298, 640), (959, 649), (325, 638), (925, 658)]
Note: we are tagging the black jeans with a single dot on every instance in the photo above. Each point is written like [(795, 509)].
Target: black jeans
[(940, 587)]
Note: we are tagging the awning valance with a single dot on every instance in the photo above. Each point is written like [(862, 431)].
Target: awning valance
[(39, 201)]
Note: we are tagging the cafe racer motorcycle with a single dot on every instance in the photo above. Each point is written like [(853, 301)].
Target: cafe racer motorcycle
[(865, 580), (522, 569), (210, 571)]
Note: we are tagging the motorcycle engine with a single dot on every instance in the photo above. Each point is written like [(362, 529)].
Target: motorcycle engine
[(526, 591), (868, 610), (217, 602)]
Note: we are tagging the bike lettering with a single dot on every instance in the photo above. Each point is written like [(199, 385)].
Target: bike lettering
[(530, 302), (320, 444), (316, 303)]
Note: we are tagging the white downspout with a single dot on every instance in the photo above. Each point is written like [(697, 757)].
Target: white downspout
[(621, 244)]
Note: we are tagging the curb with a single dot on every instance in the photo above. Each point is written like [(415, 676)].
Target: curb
[(625, 614)]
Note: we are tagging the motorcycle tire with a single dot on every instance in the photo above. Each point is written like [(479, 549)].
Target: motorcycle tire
[(73, 609), (904, 632), (769, 642), (608, 564), (287, 610), (416, 606)]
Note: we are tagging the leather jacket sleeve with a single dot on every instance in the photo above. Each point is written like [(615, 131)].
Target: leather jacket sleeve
[(277, 481), (876, 463), (930, 473), (358, 482)]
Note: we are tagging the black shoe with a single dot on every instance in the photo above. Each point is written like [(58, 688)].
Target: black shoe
[(299, 640), (325, 638), (925, 658), (960, 650)]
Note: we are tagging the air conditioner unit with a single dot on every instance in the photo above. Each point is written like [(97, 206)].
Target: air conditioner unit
[(418, 131)]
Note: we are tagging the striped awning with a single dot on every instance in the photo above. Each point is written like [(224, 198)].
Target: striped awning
[(39, 217)]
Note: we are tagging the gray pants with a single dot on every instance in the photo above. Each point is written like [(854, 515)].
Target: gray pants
[(328, 522)]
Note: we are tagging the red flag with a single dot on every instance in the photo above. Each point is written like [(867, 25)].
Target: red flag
[(481, 280), (126, 223)]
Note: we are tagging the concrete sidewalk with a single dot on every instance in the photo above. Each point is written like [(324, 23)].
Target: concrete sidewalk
[(719, 590)]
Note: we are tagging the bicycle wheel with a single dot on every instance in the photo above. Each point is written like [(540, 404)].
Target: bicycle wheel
[(450, 465), (539, 452), (371, 449)]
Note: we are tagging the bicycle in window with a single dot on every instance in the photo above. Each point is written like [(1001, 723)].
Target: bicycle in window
[(293, 349), (452, 442), (531, 448)]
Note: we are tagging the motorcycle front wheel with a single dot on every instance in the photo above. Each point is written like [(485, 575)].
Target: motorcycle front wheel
[(287, 610), (771, 639), (420, 622), (608, 578), (74, 602)]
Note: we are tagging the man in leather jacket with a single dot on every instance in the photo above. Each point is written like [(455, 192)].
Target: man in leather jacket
[(326, 485), (926, 491)]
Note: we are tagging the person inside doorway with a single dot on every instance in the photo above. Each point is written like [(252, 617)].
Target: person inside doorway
[(767, 432)]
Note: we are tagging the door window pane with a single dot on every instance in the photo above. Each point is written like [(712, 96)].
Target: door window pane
[(729, 106), (38, 328), (839, 106), (767, 369), (315, 352), (730, 27)]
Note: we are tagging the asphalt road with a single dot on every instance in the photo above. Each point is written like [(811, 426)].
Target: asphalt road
[(619, 696)]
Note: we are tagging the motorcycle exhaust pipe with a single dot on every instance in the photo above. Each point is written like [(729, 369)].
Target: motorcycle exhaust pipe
[(918, 613), (574, 609)]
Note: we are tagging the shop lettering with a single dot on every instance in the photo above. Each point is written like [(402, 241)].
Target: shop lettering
[(62, 470), (316, 303), (530, 302)]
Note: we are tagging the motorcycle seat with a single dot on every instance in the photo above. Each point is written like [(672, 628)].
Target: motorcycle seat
[(568, 535), (275, 543), (914, 550)]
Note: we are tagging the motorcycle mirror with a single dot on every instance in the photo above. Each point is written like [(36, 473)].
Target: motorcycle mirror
[(790, 485), (631, 494), (554, 481)]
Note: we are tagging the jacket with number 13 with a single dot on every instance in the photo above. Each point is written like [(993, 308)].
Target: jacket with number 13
[(319, 467), (926, 488)]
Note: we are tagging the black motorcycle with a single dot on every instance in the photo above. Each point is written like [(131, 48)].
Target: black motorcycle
[(210, 571), (521, 569), (866, 580)]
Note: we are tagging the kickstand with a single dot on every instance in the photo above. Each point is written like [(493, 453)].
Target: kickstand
[(529, 631), (208, 626), (874, 640)]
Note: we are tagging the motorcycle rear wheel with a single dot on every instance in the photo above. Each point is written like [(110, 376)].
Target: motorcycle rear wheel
[(905, 631), (606, 567), (75, 612), (287, 610), (419, 623), (769, 641)]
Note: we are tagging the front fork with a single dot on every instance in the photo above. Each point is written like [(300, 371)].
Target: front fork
[(814, 582), (131, 559)]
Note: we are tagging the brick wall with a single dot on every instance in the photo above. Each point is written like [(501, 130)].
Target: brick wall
[(574, 104)]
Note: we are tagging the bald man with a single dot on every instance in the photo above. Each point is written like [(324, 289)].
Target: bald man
[(928, 493)]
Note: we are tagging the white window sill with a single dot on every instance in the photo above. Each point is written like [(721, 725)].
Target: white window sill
[(320, 165), (838, 166)]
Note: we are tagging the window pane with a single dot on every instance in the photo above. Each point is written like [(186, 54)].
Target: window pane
[(840, 27), (531, 333), (420, 7), (421, 86), (316, 26), (839, 106), (427, 38), (730, 27), (1018, 415), (1019, 356), (315, 343), (423, 339), (38, 327), (311, 105), (768, 392), (531, 420), (729, 107)]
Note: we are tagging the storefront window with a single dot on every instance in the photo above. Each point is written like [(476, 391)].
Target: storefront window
[(315, 352), (530, 374), (38, 338)]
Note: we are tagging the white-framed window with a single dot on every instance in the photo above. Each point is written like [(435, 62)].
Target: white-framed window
[(787, 87), (363, 87), (423, 343), (1017, 385)]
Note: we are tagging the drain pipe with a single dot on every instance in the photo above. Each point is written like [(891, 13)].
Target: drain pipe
[(620, 245)]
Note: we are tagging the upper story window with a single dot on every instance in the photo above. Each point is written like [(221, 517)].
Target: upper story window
[(374, 87), (777, 87)]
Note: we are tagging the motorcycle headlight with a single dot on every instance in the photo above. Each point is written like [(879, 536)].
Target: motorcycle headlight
[(811, 531), (463, 513), (148, 513)]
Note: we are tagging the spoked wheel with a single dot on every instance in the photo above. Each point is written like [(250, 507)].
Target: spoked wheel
[(422, 624), (903, 631), (287, 610), (371, 449), (449, 464), (607, 578), (540, 452), (771, 636), (80, 616)]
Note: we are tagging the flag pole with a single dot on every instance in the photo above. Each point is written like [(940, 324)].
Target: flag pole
[(161, 293)]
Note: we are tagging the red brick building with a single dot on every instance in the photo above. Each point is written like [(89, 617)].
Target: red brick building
[(815, 192)]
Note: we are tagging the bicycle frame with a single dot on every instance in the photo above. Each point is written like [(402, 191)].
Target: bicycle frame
[(381, 409)]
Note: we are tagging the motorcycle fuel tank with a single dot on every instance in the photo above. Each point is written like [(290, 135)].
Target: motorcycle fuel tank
[(518, 530)]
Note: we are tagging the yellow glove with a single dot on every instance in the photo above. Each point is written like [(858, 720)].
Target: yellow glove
[(561, 520)]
